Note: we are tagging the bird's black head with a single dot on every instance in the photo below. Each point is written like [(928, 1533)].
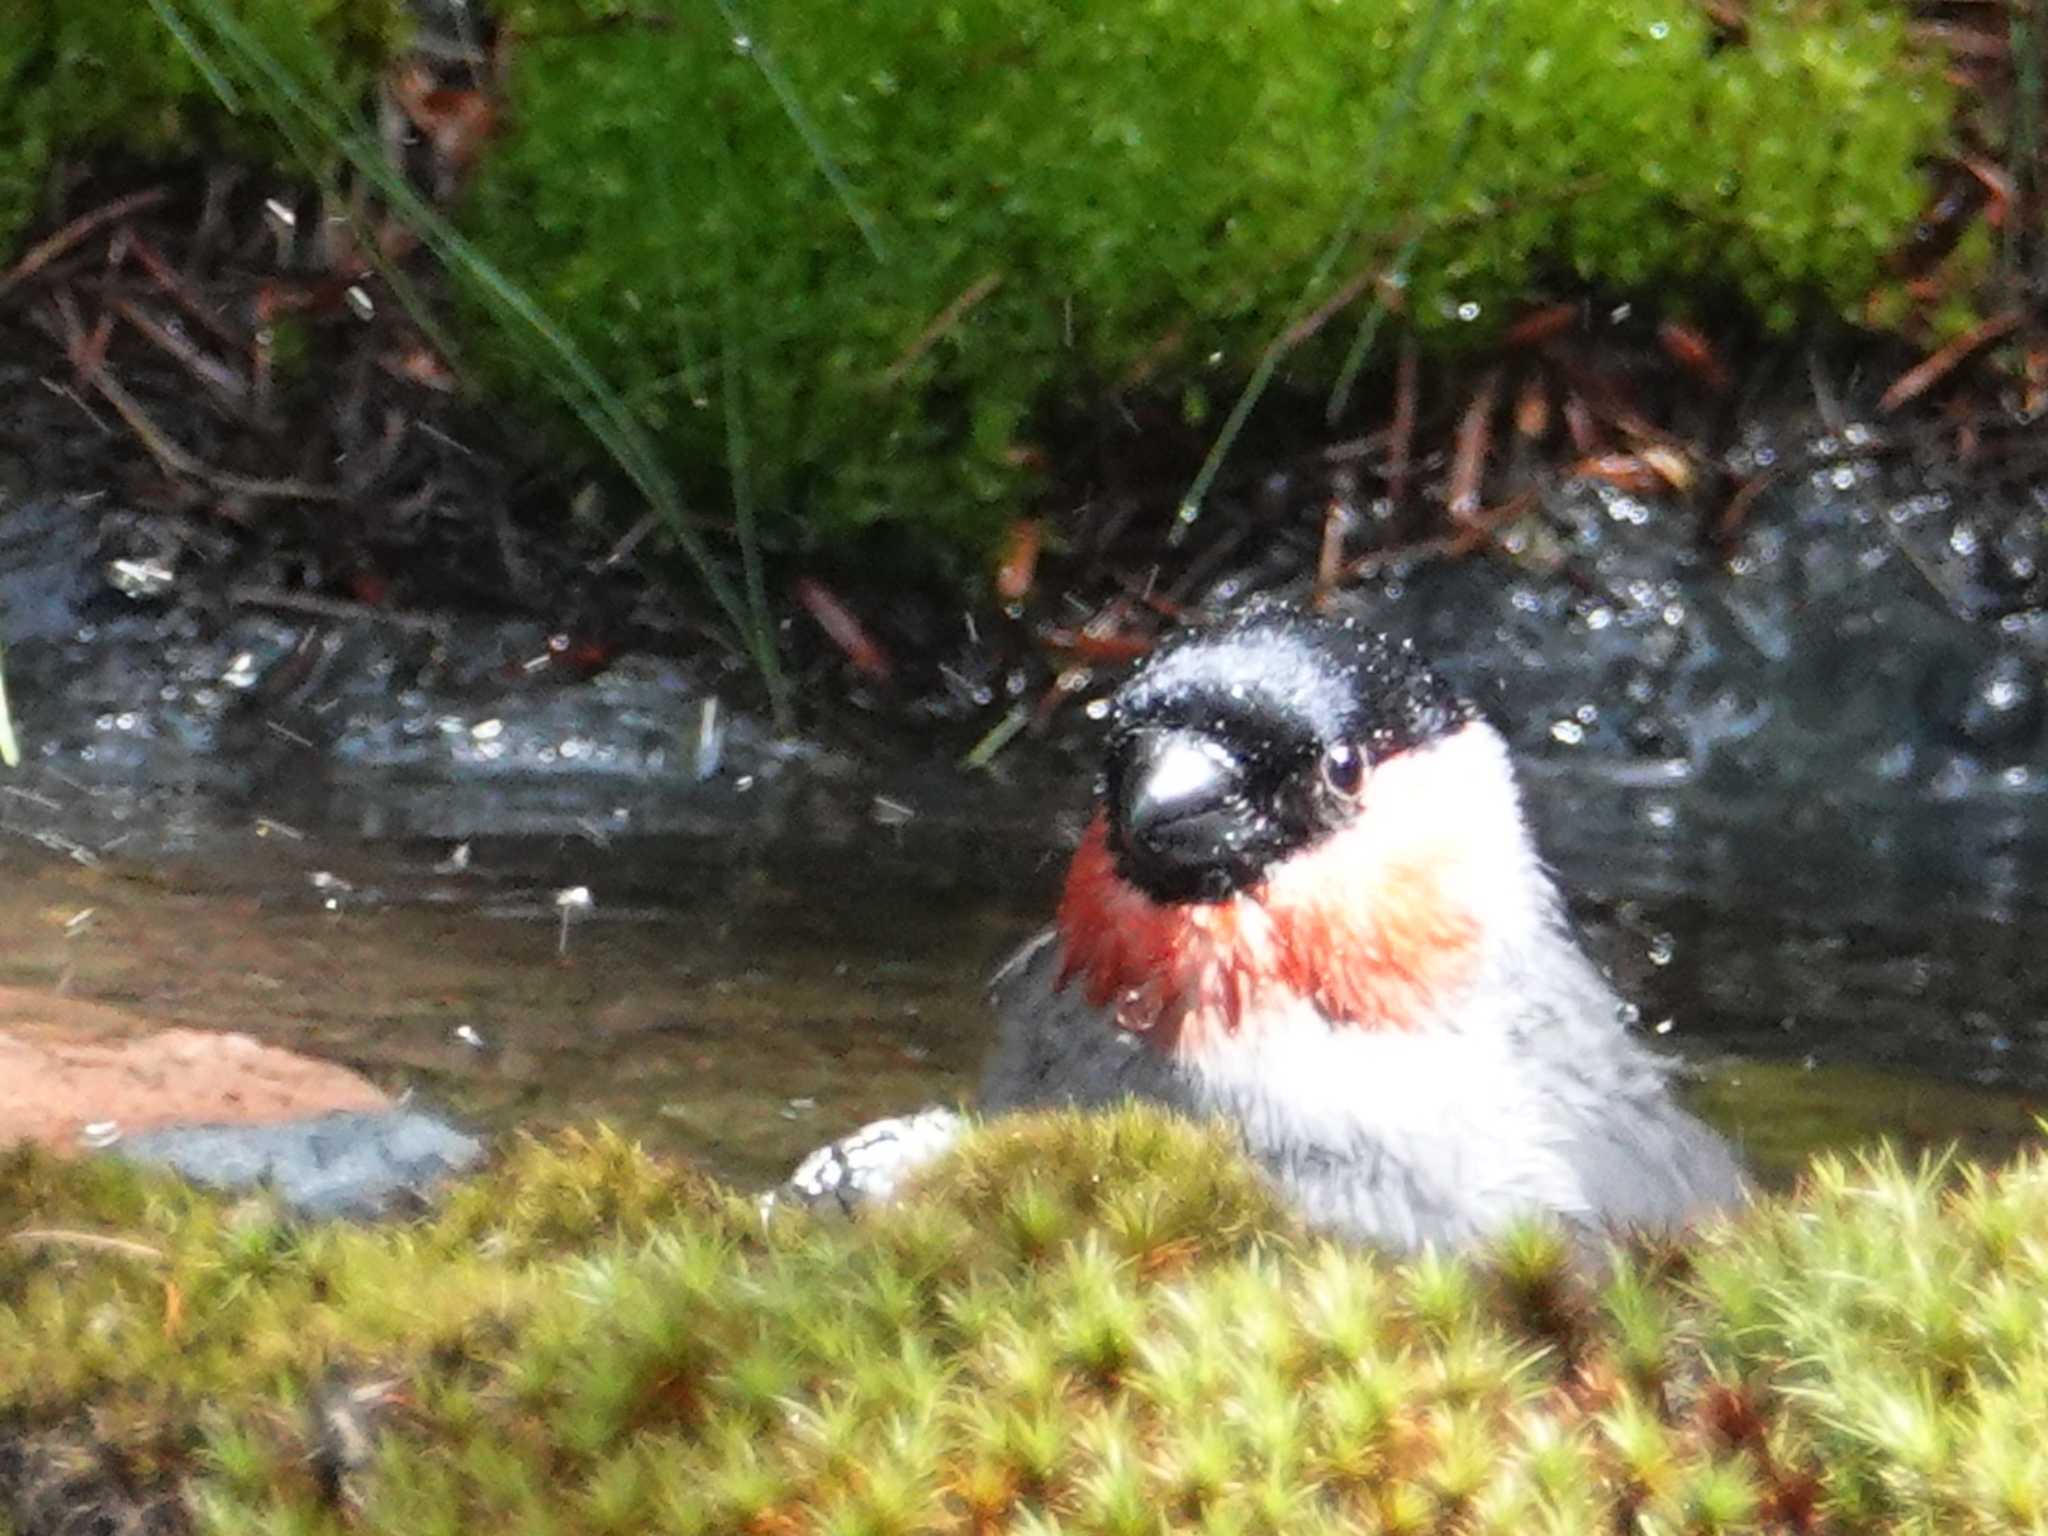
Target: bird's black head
[(1234, 747)]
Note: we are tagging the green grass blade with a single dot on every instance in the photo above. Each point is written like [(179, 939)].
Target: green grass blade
[(1447, 168), (311, 122), (785, 92), (211, 73), (1420, 55)]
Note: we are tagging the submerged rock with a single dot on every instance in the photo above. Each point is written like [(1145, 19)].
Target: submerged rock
[(343, 1164)]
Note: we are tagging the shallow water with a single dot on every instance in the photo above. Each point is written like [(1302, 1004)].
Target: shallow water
[(738, 1002)]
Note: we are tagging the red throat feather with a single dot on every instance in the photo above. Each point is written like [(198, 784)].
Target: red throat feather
[(1371, 942)]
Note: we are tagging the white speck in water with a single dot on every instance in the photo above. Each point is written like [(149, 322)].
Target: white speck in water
[(1962, 539), (886, 812), (1844, 477), (1664, 1026), (1662, 949), (1567, 732), (571, 900), (1097, 709), (1661, 814), (487, 730), (710, 739)]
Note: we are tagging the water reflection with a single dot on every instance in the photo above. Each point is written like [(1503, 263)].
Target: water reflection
[(740, 1003)]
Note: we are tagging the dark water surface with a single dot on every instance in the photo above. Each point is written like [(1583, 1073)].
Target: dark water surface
[(738, 1000)]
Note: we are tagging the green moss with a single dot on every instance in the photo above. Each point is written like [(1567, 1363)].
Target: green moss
[(107, 76), (1036, 202), (622, 1348)]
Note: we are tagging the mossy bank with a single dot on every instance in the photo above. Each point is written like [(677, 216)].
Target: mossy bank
[(861, 271), (1100, 1325), (111, 78), (897, 245)]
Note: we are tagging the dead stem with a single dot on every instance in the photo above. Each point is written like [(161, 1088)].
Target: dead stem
[(1407, 404), (44, 252), (102, 1242), (87, 354), (946, 320), (181, 292), (223, 381), (1924, 375), (1468, 457), (1330, 556)]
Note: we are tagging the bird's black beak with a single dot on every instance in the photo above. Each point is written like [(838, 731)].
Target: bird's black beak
[(1177, 808)]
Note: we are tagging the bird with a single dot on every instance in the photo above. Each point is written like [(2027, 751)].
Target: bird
[(1309, 906)]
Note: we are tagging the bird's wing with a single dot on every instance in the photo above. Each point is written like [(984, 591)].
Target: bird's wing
[(1053, 1046)]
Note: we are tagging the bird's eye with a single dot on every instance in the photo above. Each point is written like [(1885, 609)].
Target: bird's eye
[(1344, 768)]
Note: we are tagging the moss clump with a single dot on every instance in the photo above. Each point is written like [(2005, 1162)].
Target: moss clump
[(107, 76), (989, 209), (1862, 1357)]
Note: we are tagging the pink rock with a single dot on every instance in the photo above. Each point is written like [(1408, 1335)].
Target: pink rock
[(66, 1065)]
